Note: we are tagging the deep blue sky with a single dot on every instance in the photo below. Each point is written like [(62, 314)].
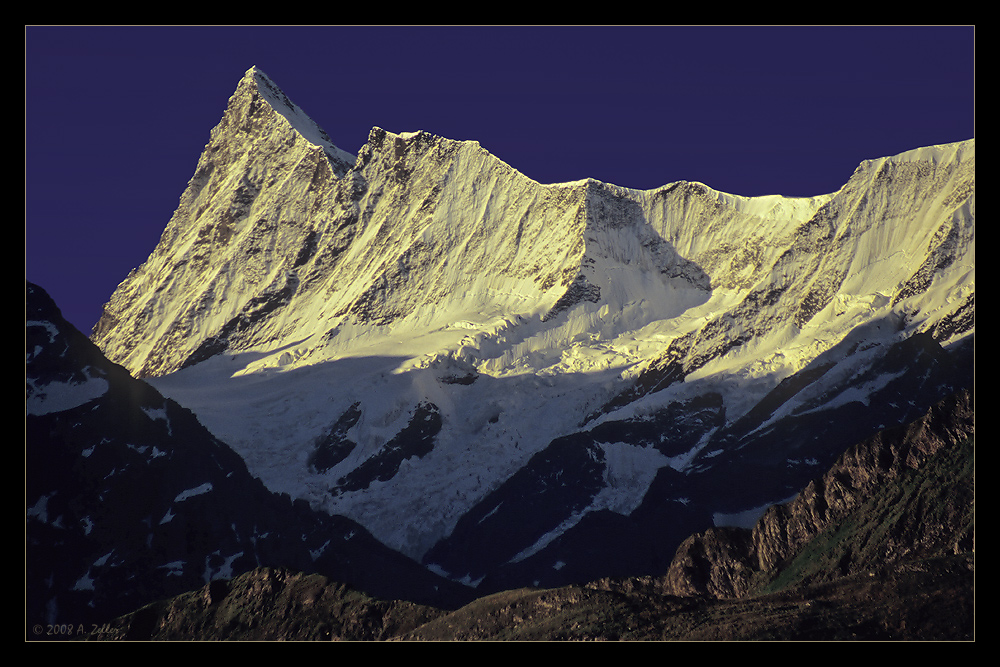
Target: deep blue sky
[(116, 117)]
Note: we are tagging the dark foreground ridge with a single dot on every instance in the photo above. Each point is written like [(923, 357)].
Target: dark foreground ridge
[(894, 559)]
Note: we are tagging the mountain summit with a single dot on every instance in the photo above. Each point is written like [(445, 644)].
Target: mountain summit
[(520, 383)]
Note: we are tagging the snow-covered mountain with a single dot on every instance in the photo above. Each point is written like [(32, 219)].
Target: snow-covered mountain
[(521, 383)]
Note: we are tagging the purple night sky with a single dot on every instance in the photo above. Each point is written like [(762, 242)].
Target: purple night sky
[(116, 117)]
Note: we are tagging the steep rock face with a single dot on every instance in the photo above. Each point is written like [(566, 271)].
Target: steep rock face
[(444, 226), (898, 224), (224, 250), (732, 563)]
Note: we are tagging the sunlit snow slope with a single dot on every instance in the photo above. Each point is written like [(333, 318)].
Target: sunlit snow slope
[(394, 336)]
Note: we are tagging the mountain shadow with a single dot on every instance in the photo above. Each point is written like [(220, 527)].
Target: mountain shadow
[(130, 499)]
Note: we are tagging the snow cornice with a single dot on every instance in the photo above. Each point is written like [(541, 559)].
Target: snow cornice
[(266, 89)]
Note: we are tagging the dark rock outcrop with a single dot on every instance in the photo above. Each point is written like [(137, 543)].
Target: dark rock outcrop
[(733, 563), (270, 604)]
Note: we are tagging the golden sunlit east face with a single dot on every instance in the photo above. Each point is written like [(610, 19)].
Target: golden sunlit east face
[(614, 324)]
